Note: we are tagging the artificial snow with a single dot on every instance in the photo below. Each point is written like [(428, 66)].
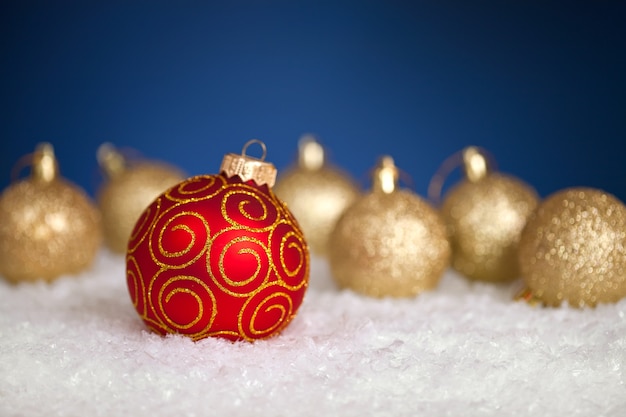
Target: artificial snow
[(77, 347)]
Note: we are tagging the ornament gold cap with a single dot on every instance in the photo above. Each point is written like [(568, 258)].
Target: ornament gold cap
[(250, 168), (386, 174), (310, 153), (475, 164), (44, 164), (110, 160)]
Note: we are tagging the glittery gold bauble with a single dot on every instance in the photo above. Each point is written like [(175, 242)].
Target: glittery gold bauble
[(48, 226), (389, 242), (316, 193), (485, 214), (573, 248), (130, 188)]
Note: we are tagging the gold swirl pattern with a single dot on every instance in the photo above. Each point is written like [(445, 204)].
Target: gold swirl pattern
[(254, 209), (291, 260), (283, 210), (216, 257), (242, 263), (180, 239), (266, 313), (200, 187), (144, 225), (180, 304), (135, 284)]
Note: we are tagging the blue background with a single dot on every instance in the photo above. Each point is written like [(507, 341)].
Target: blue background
[(542, 86)]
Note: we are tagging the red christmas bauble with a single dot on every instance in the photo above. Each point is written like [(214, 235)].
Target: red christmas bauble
[(217, 256)]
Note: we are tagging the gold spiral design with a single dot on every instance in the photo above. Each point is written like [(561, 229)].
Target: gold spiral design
[(187, 229), (245, 206), (242, 263), (290, 241), (266, 313), (180, 304), (291, 260), (144, 225), (200, 187), (136, 287), (213, 240)]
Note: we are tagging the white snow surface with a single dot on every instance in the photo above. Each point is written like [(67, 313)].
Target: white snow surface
[(76, 347)]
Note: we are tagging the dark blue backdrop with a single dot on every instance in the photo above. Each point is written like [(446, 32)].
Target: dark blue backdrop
[(543, 87)]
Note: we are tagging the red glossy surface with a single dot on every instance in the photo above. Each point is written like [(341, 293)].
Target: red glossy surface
[(214, 256)]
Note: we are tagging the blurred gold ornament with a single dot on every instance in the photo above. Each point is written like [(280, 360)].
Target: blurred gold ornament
[(48, 226), (573, 249), (130, 188), (389, 242), (485, 214), (316, 193)]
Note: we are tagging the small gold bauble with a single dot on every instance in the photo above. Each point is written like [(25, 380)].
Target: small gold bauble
[(130, 188), (48, 226), (316, 193), (573, 248), (485, 214), (389, 242)]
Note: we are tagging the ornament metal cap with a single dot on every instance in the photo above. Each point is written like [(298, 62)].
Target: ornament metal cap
[(310, 153), (43, 163), (45, 167), (475, 164), (386, 174), (250, 168), (110, 160)]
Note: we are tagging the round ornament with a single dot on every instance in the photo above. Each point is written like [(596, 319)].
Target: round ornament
[(219, 255), (573, 249), (316, 193), (485, 214), (48, 226), (389, 242), (130, 188)]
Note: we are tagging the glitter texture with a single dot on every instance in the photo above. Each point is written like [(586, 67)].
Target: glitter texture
[(389, 245), (485, 219), (572, 248), (317, 198), (124, 197), (46, 229)]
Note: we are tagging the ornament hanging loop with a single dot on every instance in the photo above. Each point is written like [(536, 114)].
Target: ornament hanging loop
[(476, 163), (43, 163), (253, 141), (250, 168)]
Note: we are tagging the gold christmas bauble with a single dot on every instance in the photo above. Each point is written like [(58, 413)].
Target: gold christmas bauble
[(389, 242), (316, 193), (48, 226), (573, 249), (485, 214), (130, 188)]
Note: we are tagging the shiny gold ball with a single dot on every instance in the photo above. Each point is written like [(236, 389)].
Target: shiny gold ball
[(47, 229), (485, 219), (389, 242), (123, 198), (573, 248), (317, 199)]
